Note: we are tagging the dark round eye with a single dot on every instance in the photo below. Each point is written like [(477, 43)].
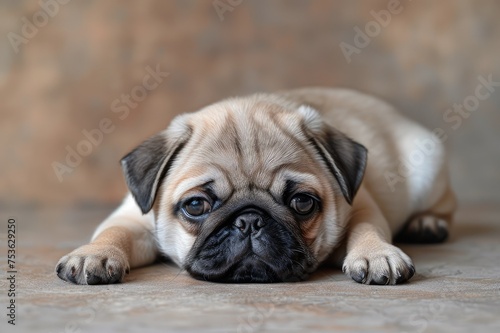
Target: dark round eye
[(197, 207), (303, 204)]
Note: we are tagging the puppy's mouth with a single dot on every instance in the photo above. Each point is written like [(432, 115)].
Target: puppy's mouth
[(252, 248), (251, 269)]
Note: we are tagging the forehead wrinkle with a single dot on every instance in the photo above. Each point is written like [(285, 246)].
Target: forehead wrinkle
[(210, 124), (224, 174), (263, 135), (217, 133), (287, 130), (209, 144), (272, 145), (237, 136), (268, 144), (246, 136), (189, 184), (300, 177), (211, 174)]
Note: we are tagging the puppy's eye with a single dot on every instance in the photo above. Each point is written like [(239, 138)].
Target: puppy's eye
[(303, 204), (197, 207)]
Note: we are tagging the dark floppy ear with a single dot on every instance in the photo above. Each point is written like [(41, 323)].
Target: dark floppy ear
[(146, 166), (345, 158)]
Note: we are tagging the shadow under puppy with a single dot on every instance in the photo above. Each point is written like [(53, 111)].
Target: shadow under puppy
[(267, 187)]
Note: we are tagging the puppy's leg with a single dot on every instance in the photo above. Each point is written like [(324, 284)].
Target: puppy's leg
[(123, 240), (431, 225), (371, 259)]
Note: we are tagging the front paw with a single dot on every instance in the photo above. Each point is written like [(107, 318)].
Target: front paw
[(380, 264), (93, 264)]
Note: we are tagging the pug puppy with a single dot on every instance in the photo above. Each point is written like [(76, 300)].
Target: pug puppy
[(266, 188)]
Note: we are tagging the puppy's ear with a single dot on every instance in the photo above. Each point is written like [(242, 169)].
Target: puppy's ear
[(345, 158), (146, 166)]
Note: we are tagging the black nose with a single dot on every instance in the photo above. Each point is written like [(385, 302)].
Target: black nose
[(249, 223)]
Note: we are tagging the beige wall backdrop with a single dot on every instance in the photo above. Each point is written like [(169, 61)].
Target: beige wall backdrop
[(66, 67)]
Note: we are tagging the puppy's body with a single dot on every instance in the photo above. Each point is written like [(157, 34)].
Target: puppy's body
[(406, 171), (249, 153)]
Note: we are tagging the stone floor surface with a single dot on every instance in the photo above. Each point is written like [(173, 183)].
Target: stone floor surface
[(456, 289)]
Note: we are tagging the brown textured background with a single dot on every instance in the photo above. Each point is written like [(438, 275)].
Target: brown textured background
[(64, 79)]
